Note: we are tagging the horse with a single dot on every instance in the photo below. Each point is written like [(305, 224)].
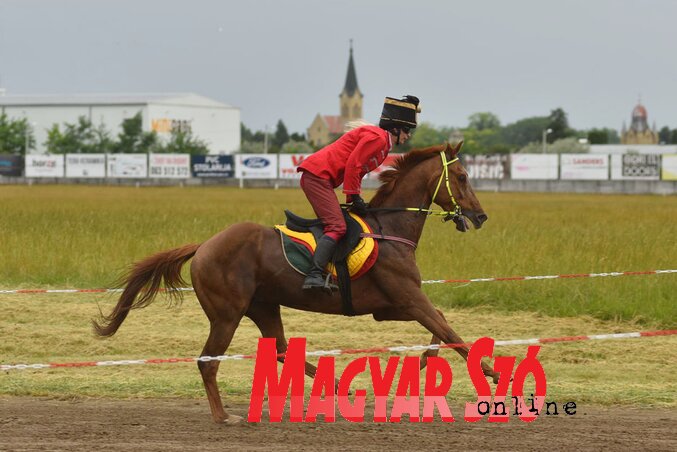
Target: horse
[(242, 271)]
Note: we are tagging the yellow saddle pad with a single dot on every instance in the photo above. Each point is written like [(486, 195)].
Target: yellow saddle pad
[(360, 260)]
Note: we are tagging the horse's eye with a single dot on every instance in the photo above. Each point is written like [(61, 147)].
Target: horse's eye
[(462, 178)]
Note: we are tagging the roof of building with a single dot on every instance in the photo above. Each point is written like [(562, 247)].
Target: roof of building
[(351, 77), (335, 124), (640, 111), (184, 99)]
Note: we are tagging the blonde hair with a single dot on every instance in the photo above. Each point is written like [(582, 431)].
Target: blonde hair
[(351, 125)]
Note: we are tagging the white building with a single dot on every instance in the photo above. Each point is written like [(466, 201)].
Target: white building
[(215, 123)]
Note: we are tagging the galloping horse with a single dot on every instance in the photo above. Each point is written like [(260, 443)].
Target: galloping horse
[(242, 271)]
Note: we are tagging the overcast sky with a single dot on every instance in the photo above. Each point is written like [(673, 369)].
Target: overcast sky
[(287, 60)]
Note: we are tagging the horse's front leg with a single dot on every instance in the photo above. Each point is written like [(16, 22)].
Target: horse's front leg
[(421, 309), (396, 314)]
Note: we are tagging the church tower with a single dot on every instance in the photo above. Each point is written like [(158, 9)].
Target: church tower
[(351, 97), (326, 128)]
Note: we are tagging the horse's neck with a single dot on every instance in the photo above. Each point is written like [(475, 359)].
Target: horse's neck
[(410, 193)]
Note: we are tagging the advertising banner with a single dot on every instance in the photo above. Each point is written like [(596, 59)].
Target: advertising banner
[(44, 165), (669, 167), (85, 165), (387, 164), (288, 165), (534, 166), (169, 166), (127, 165), (256, 166), (635, 166), (11, 165), (584, 167), (487, 166), (213, 165)]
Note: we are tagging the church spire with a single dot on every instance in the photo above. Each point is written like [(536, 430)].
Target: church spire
[(351, 77)]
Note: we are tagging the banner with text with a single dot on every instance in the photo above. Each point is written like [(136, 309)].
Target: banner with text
[(169, 166), (584, 167), (44, 165), (256, 166), (669, 167), (487, 166), (534, 166), (635, 166), (213, 165), (11, 165), (288, 165), (127, 165), (86, 165)]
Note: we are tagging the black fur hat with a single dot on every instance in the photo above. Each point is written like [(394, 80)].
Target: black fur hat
[(399, 113)]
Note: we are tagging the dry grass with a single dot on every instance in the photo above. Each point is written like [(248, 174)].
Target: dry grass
[(631, 371), (70, 236)]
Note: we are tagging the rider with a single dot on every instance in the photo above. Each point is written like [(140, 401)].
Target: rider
[(347, 161)]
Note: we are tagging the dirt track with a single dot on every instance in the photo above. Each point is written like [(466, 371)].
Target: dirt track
[(161, 425)]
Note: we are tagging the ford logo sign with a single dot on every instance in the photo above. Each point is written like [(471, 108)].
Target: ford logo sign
[(256, 162)]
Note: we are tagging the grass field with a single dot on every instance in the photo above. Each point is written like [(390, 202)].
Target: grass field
[(84, 236)]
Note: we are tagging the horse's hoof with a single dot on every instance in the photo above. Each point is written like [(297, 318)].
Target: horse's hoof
[(232, 419)]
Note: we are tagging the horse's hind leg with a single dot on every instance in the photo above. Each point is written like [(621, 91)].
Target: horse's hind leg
[(220, 334), (224, 308), (267, 318)]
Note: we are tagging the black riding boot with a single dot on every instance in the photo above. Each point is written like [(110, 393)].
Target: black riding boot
[(323, 253)]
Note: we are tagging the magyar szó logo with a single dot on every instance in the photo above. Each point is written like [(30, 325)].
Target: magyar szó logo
[(328, 392)]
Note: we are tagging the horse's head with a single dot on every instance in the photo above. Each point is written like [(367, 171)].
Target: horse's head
[(452, 191)]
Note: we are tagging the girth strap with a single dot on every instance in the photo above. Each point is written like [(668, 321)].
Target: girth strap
[(390, 237)]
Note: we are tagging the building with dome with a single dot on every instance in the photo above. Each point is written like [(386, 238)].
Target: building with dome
[(639, 131)]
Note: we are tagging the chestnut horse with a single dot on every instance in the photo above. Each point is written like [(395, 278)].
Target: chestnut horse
[(242, 271)]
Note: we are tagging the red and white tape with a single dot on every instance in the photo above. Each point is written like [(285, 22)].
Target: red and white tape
[(398, 349), (529, 278), (430, 281)]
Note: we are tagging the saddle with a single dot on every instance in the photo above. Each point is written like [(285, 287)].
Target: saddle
[(353, 256)]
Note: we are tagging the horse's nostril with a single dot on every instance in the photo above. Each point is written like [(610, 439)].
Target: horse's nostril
[(482, 218)]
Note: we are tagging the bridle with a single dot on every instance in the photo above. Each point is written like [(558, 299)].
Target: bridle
[(454, 214)]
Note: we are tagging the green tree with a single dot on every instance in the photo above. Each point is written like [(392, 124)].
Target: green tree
[(296, 147), (598, 136), (245, 133), (603, 136), (558, 122), (664, 135), (483, 121), (673, 136), (281, 135), (426, 135), (183, 142), (524, 131), (487, 141), (81, 137), (15, 135), (133, 139), (297, 137)]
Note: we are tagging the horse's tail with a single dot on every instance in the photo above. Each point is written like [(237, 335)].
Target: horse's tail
[(145, 278)]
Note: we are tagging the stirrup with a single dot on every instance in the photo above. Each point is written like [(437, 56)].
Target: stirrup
[(317, 282)]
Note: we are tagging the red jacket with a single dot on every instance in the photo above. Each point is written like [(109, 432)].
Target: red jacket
[(350, 158)]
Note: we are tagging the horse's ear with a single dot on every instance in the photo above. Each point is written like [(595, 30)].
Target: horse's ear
[(455, 149)]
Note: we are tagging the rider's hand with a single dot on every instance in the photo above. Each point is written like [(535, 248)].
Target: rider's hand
[(358, 205)]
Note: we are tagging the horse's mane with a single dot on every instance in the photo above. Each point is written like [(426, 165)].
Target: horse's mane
[(402, 166)]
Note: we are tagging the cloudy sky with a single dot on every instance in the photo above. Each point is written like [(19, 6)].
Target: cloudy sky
[(277, 59)]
